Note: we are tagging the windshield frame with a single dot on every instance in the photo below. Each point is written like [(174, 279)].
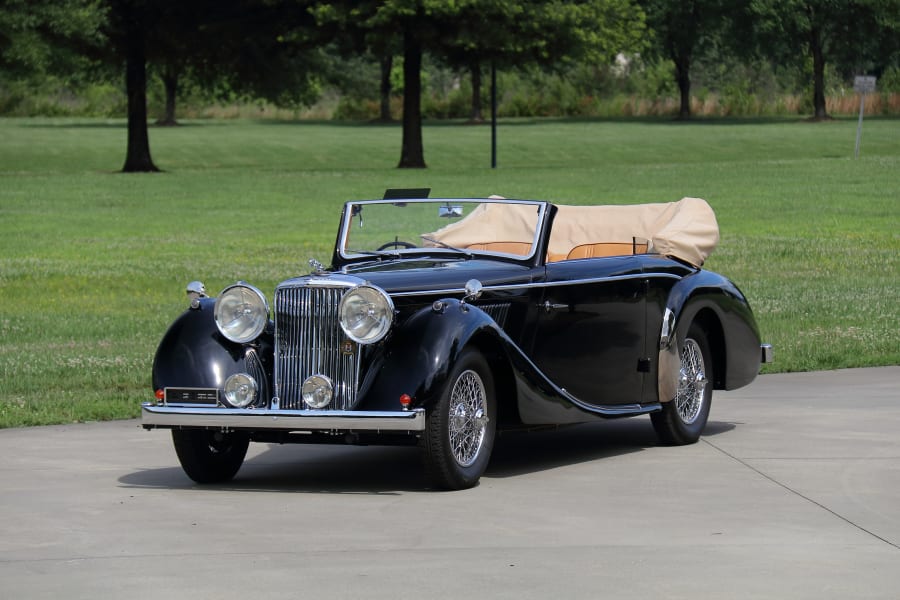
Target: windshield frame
[(344, 255)]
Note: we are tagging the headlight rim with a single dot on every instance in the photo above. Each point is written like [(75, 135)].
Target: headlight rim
[(258, 329), (388, 311)]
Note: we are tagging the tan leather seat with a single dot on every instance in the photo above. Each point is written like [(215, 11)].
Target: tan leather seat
[(551, 257), (522, 248), (606, 249)]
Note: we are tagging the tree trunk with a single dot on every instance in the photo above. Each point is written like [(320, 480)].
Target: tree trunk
[(412, 153), (475, 69), (387, 63), (137, 158), (170, 81), (683, 78), (818, 56)]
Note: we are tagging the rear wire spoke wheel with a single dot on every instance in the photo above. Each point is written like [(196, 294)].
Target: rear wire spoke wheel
[(461, 426), (210, 456), (682, 420)]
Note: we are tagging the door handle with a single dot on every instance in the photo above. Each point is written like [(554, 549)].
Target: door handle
[(550, 306)]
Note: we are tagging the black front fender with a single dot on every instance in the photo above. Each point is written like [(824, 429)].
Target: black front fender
[(419, 355), (193, 354)]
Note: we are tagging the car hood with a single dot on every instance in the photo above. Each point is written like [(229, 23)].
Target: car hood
[(423, 275)]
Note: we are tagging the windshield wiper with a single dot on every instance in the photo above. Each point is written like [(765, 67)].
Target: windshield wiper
[(448, 246), (378, 253)]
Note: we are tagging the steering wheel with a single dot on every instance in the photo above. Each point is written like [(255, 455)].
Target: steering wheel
[(396, 244)]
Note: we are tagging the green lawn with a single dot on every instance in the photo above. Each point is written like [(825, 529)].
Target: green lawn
[(93, 263)]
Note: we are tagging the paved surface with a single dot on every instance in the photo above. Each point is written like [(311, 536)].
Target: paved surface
[(794, 492)]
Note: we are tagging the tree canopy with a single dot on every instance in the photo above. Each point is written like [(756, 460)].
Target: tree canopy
[(286, 50), (468, 32), (852, 35), (41, 36), (680, 27)]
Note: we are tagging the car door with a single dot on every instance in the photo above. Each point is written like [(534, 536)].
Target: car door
[(590, 329)]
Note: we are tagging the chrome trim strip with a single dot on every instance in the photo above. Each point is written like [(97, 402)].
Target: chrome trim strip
[(153, 415), (328, 280), (520, 286), (668, 328)]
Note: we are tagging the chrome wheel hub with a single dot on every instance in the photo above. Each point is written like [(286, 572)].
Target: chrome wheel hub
[(468, 418), (691, 383)]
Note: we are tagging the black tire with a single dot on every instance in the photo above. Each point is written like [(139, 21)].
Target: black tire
[(682, 420), (209, 456), (461, 426)]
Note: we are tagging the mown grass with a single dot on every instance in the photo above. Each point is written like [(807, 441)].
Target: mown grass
[(93, 262)]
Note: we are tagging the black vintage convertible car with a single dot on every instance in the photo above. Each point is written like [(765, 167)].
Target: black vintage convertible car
[(442, 322)]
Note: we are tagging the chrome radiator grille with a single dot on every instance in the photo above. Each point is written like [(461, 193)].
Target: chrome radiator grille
[(309, 341)]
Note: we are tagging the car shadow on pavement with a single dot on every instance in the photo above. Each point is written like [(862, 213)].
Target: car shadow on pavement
[(328, 469), (518, 454)]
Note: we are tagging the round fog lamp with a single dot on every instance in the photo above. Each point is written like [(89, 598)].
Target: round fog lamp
[(317, 391), (240, 390)]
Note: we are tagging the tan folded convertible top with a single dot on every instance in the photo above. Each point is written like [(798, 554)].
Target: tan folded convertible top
[(686, 229)]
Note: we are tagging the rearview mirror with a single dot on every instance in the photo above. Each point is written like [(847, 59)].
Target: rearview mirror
[(450, 212)]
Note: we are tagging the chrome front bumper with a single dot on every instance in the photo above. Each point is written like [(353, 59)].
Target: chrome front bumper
[(767, 354), (155, 415)]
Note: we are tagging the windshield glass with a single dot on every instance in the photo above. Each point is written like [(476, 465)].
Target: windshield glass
[(463, 226)]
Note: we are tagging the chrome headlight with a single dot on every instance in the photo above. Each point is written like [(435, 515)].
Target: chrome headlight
[(366, 314), (241, 313)]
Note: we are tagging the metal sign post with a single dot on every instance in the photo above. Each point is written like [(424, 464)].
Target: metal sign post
[(863, 84)]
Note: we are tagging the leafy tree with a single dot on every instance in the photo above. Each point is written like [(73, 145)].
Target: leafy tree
[(849, 34), (41, 44), (34, 34), (469, 32), (549, 35), (128, 26), (253, 47), (679, 28), (262, 49)]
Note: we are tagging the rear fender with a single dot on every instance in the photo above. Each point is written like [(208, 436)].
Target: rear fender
[(728, 321)]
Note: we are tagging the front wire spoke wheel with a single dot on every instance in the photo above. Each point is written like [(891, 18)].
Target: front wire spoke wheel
[(467, 418), (461, 425)]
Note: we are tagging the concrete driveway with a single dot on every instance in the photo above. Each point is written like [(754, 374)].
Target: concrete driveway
[(794, 492)]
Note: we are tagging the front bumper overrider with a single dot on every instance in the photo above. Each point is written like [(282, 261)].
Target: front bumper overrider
[(156, 415)]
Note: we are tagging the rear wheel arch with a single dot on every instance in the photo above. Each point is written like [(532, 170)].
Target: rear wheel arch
[(683, 418), (709, 321)]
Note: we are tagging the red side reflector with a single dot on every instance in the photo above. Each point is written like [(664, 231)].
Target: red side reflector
[(160, 394), (405, 400)]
